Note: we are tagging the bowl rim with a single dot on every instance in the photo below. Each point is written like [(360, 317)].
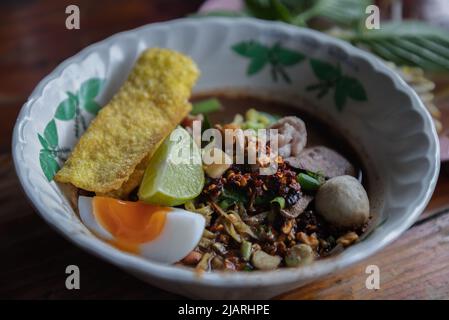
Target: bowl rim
[(222, 279)]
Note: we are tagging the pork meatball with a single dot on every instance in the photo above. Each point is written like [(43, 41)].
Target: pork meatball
[(343, 202)]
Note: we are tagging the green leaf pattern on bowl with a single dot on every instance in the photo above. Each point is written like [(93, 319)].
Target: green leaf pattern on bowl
[(275, 56), (70, 109), (279, 58)]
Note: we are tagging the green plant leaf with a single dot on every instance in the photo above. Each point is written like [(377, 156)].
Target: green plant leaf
[(90, 106), (268, 10), (401, 30), (340, 95), (66, 109), (51, 134), (256, 65), (409, 42), (48, 164), (343, 12), (43, 142), (90, 89), (353, 88), (325, 71), (205, 106), (280, 11), (286, 57), (251, 49), (296, 6)]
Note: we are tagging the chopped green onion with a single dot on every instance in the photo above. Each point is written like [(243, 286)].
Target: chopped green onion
[(317, 175), (272, 118), (252, 115), (247, 268), (253, 125), (245, 250), (257, 120), (206, 106), (307, 182), (280, 201)]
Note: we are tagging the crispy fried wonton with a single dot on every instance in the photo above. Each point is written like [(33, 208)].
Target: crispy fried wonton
[(111, 156)]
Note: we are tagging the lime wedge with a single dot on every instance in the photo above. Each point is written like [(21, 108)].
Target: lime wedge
[(174, 174)]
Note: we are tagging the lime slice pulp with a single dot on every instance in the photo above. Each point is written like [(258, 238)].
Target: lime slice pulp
[(174, 174)]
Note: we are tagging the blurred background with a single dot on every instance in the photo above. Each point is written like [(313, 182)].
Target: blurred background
[(34, 40)]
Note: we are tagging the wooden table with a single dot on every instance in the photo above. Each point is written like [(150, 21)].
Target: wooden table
[(33, 40)]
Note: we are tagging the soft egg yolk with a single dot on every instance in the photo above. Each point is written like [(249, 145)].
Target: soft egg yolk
[(130, 223)]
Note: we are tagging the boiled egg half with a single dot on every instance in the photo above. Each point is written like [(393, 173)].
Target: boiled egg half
[(162, 234)]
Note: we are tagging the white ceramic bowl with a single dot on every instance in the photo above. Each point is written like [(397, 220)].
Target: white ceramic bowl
[(374, 109)]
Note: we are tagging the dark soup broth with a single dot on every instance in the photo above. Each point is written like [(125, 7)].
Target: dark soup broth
[(318, 133)]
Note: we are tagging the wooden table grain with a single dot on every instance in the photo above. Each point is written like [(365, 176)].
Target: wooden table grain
[(33, 40)]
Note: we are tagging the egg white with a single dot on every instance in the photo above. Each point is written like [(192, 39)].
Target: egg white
[(87, 216), (181, 233)]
